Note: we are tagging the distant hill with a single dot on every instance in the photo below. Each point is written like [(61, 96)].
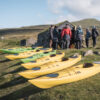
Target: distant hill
[(23, 30), (36, 27), (87, 23)]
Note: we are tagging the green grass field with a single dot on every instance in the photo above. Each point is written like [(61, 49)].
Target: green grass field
[(15, 87)]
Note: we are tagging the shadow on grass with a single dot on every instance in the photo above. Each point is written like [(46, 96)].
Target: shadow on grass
[(15, 71), (19, 63), (14, 82), (98, 48), (22, 93), (6, 60), (2, 53)]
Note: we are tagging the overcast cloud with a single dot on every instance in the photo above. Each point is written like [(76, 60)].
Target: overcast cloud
[(74, 9)]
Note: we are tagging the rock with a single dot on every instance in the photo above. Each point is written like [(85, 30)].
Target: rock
[(96, 52), (89, 52), (76, 54), (30, 41)]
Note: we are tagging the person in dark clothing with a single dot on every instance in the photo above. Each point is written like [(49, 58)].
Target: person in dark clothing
[(79, 33), (62, 40), (87, 37), (59, 38), (51, 35), (73, 37), (55, 38), (66, 36), (94, 35)]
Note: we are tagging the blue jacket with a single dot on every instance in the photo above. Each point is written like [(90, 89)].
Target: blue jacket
[(88, 35), (79, 33)]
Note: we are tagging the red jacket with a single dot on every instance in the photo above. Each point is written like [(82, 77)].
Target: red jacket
[(66, 31)]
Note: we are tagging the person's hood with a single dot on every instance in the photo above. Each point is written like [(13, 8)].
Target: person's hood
[(79, 28)]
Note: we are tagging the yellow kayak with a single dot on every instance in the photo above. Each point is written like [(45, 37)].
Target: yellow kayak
[(44, 60), (27, 54), (73, 74), (50, 67)]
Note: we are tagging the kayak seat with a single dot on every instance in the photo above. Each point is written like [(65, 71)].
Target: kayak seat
[(53, 75), (87, 65), (33, 61), (53, 55), (46, 52), (30, 57), (65, 59), (36, 68), (37, 50)]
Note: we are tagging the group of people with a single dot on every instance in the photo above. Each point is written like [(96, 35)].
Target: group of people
[(71, 37)]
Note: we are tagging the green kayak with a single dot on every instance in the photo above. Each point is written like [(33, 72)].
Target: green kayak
[(17, 50), (37, 56)]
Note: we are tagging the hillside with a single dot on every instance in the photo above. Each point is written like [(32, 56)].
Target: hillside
[(23, 32), (87, 23), (14, 35)]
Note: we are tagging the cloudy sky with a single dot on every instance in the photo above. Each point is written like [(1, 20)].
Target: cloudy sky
[(17, 13)]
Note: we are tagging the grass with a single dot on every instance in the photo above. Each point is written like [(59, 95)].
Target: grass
[(15, 87)]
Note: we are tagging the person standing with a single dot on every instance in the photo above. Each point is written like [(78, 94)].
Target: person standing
[(94, 35), (87, 37), (62, 39), (66, 35), (55, 38), (79, 34), (72, 44), (51, 36), (59, 38)]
